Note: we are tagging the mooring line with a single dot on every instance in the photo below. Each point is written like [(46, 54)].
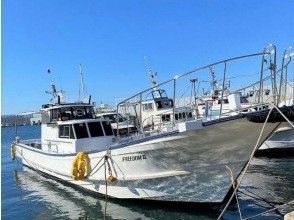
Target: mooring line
[(246, 167), (251, 156), (288, 203), (258, 198), (235, 191)]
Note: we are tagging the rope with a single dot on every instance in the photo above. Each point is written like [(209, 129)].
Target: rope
[(31, 163), (246, 167), (233, 184), (91, 173), (106, 193), (183, 95), (258, 198), (252, 154), (288, 203)]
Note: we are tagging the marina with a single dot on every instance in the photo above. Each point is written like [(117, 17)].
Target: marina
[(175, 154), (147, 110)]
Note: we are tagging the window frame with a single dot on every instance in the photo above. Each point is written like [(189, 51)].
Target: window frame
[(101, 127), (71, 134), (77, 133), (107, 134)]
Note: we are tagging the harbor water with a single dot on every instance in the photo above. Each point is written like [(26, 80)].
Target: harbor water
[(269, 182)]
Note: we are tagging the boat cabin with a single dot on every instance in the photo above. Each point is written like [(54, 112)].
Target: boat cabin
[(125, 125), (71, 128), (159, 110), (63, 112)]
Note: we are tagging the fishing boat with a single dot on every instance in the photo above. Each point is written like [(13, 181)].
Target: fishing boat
[(185, 163), (158, 111), (280, 144), (124, 125)]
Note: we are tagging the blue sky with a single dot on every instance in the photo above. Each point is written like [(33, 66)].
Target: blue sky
[(111, 38)]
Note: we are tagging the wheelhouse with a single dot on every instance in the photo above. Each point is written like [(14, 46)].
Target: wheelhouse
[(75, 111), (160, 101), (88, 129), (112, 117), (70, 128)]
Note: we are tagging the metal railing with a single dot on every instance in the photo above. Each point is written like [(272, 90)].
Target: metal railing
[(268, 63)]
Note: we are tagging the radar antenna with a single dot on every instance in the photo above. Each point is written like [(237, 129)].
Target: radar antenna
[(151, 74), (53, 91), (58, 96)]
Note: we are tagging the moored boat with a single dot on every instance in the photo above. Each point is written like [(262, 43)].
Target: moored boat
[(186, 163)]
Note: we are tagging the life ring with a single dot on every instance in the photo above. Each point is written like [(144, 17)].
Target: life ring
[(12, 151), (79, 112), (80, 167)]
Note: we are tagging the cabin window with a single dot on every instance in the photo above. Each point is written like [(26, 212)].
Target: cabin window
[(55, 114), (165, 117), (189, 114), (225, 101), (81, 130), (244, 100), (147, 107), (95, 129), (184, 115), (159, 94), (176, 116), (65, 131), (159, 104), (107, 128), (65, 114), (180, 115)]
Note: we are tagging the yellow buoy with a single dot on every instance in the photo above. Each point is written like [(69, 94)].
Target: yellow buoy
[(80, 167), (12, 151)]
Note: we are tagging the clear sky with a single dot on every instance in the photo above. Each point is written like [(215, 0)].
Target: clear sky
[(111, 38)]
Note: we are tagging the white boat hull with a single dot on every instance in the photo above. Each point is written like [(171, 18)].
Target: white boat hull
[(283, 138), (181, 167)]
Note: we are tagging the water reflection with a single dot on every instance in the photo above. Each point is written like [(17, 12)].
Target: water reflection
[(61, 201)]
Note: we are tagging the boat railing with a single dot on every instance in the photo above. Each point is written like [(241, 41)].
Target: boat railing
[(29, 141), (284, 89), (267, 78), (35, 143)]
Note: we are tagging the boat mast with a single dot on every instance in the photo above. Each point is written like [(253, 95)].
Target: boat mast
[(213, 80), (151, 74), (53, 91), (82, 91), (193, 82)]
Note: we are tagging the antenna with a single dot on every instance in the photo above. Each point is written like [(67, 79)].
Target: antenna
[(53, 91), (50, 76), (82, 91), (58, 96), (152, 75), (213, 81)]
